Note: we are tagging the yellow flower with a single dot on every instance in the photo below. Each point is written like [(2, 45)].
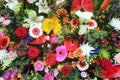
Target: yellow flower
[(19, 75), (51, 24), (59, 67)]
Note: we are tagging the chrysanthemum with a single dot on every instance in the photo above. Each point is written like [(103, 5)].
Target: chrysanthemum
[(115, 22), (51, 24), (61, 53), (87, 49), (36, 31)]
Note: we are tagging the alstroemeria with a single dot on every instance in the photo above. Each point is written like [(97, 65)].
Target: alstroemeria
[(43, 6), (11, 3)]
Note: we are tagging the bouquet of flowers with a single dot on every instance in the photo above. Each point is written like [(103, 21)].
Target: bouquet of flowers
[(59, 39)]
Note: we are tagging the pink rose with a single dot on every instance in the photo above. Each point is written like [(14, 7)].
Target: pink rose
[(2, 19), (39, 66), (49, 76), (6, 22)]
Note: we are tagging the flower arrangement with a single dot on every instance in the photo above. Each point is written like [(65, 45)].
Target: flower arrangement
[(59, 39)]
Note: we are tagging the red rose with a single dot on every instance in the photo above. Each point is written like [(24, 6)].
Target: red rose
[(66, 70), (71, 45), (105, 64), (4, 42), (21, 32), (33, 52), (51, 59)]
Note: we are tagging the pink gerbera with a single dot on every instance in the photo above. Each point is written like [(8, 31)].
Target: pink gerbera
[(61, 53)]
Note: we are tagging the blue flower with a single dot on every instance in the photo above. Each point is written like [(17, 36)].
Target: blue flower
[(96, 50), (28, 38)]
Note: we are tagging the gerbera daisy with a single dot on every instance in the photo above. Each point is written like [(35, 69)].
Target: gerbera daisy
[(61, 53), (36, 31)]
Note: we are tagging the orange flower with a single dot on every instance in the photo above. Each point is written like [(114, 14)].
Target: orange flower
[(77, 53), (61, 11), (105, 4), (74, 23), (65, 19), (4, 42), (82, 58), (74, 64), (71, 55), (14, 78)]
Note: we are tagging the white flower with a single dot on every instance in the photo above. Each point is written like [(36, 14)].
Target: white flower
[(87, 49), (35, 30), (43, 7), (82, 67), (117, 58), (115, 22), (92, 24), (82, 29), (3, 53), (84, 15), (11, 3), (84, 74), (1, 78), (31, 1), (59, 1)]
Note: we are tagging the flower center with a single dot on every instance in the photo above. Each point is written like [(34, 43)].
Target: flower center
[(36, 31)]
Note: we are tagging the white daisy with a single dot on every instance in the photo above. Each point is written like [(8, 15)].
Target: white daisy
[(92, 24), (87, 49), (82, 29), (84, 15), (115, 22), (59, 1), (35, 30), (82, 67), (3, 53), (43, 7), (11, 3)]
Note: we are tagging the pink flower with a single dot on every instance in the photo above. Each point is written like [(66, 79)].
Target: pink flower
[(39, 65), (61, 53), (84, 74), (2, 19), (49, 76), (47, 38), (117, 58), (2, 33), (56, 72), (46, 70), (11, 53), (53, 39), (6, 22)]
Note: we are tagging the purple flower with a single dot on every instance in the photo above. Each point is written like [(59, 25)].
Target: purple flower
[(15, 72), (61, 53), (53, 39), (7, 75), (39, 65), (49, 76)]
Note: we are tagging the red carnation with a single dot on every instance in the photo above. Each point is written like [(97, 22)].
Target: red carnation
[(21, 32), (105, 64), (71, 45), (51, 59), (33, 52), (66, 70)]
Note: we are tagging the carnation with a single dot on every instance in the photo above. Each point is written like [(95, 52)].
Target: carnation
[(66, 70), (33, 52), (49, 76)]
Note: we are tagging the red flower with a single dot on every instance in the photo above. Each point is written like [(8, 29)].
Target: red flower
[(21, 32), (51, 59), (4, 42), (71, 45), (74, 22), (104, 41), (105, 64), (66, 70), (33, 52)]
